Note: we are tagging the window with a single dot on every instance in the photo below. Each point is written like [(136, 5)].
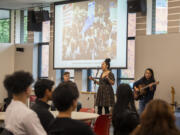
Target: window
[(46, 31), (46, 28), (127, 75), (25, 26), (43, 60), (43, 49), (161, 16), (4, 26)]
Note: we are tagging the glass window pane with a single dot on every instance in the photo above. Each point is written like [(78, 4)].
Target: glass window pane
[(4, 26), (114, 71), (129, 72), (46, 31), (131, 24), (84, 80), (161, 16), (46, 28), (45, 61), (130, 82), (96, 73), (25, 26)]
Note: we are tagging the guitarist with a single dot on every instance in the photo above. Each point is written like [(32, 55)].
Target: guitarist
[(147, 79)]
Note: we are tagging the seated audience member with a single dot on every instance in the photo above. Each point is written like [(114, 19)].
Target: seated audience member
[(66, 78), (43, 91), (157, 119), (65, 100), (19, 119), (125, 117)]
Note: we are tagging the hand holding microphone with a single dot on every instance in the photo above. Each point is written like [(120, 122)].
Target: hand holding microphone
[(91, 78)]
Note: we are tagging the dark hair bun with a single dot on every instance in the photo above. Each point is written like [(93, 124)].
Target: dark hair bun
[(108, 60)]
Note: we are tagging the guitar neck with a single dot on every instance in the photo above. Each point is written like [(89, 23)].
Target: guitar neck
[(148, 86)]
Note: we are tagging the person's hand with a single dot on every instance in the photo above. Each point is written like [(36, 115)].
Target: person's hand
[(91, 78), (136, 89), (107, 77), (151, 86)]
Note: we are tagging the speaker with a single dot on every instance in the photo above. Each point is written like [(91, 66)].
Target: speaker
[(41, 16), (33, 24), (143, 6), (137, 6)]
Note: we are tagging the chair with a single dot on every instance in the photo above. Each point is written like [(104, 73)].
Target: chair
[(89, 110), (102, 125)]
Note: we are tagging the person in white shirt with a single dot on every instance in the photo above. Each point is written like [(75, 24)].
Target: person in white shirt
[(19, 119)]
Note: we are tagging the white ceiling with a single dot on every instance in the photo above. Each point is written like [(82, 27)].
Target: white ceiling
[(21, 4)]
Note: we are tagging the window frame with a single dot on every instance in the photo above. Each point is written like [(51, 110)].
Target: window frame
[(40, 60)]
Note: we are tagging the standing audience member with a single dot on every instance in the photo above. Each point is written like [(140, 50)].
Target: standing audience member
[(19, 119), (157, 119), (43, 90), (65, 100), (125, 117)]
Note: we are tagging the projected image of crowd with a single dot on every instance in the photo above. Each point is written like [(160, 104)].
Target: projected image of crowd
[(90, 30)]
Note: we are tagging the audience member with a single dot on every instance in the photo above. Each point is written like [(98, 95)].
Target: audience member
[(43, 91), (65, 100), (157, 119), (66, 78), (125, 117), (19, 119)]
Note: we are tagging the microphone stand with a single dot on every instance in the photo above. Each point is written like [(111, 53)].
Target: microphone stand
[(95, 88)]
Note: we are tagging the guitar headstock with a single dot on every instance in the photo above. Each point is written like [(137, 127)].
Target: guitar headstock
[(172, 90)]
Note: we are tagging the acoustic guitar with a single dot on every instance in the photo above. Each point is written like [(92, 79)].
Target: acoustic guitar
[(140, 91)]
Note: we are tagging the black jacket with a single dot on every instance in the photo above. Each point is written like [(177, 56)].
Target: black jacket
[(68, 126), (125, 123), (45, 117)]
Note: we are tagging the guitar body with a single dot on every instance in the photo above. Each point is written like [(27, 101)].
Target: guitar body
[(140, 92)]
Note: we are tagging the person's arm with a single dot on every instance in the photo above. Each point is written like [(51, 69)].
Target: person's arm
[(137, 83), (110, 78), (32, 125), (95, 81)]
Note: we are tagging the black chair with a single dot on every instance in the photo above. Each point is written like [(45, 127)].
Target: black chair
[(6, 132)]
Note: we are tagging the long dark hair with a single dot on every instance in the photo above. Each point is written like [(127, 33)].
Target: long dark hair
[(107, 61), (125, 100), (157, 119), (152, 79)]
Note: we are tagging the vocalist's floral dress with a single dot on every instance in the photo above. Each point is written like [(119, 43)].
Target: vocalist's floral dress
[(105, 93)]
